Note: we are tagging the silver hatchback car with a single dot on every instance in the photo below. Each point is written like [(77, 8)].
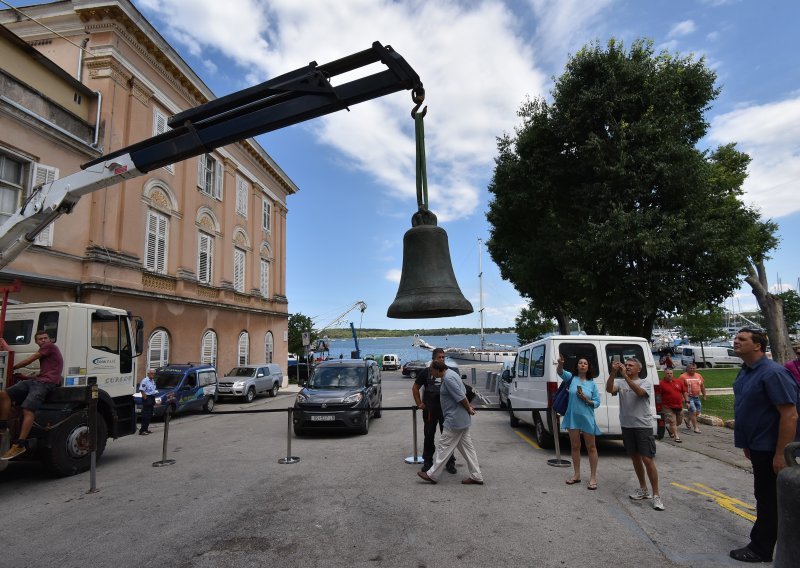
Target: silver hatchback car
[(246, 381)]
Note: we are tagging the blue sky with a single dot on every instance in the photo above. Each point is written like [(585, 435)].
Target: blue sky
[(478, 61)]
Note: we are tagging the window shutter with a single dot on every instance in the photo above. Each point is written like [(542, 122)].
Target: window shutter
[(44, 174), (265, 278), (209, 348), (268, 347), (158, 349), (160, 127), (238, 269), (244, 348), (201, 171), (205, 246), (242, 189), (266, 215), (155, 257), (217, 192)]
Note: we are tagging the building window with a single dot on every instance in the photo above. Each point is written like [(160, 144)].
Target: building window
[(264, 278), (266, 215), (12, 178), (269, 346), (238, 270), (155, 254), (160, 127), (208, 348), (209, 176), (41, 175), (244, 348), (205, 257), (158, 349), (242, 192)]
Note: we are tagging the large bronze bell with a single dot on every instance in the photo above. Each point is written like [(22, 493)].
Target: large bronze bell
[(428, 287)]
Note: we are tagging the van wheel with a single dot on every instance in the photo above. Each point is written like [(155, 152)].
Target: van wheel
[(273, 392), (251, 395), (513, 419), (378, 412), (365, 426), (209, 405), (298, 431), (413, 374), (543, 437), (68, 445)]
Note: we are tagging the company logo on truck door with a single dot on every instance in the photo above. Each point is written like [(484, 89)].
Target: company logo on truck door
[(103, 362)]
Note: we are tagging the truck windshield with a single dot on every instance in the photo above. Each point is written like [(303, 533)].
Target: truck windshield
[(337, 378), (241, 372), (168, 379)]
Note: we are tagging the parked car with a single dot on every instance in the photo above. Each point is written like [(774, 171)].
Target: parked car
[(246, 381), (390, 362), (412, 368), (182, 388), (340, 394)]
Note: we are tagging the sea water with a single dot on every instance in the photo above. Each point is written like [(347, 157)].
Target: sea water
[(404, 348)]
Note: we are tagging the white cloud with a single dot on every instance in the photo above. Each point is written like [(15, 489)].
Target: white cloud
[(770, 134), (393, 275), (683, 28)]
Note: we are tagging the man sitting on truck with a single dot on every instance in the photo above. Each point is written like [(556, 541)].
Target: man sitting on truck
[(32, 392)]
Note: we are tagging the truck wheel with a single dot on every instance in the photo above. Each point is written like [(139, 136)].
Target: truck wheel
[(273, 392), (209, 405), (513, 419), (543, 437), (67, 451), (250, 395)]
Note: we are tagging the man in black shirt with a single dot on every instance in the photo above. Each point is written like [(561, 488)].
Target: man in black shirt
[(431, 411)]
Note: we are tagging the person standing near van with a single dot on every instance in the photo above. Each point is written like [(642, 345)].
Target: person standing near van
[(636, 420), (432, 416), (32, 392), (696, 386), (673, 397), (148, 389), (765, 413), (584, 397)]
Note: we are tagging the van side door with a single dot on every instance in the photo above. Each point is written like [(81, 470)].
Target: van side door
[(579, 348), (627, 350)]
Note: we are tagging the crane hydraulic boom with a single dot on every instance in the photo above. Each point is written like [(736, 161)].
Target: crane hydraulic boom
[(288, 99)]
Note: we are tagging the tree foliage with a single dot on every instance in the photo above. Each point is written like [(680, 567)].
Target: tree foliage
[(298, 323), (604, 210), (531, 324), (791, 308), (702, 324)]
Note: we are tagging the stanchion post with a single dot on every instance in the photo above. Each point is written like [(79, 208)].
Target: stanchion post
[(289, 457), (91, 404), (164, 461), (474, 376), (416, 458), (557, 461)]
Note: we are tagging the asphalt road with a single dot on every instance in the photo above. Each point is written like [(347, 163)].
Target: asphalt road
[(352, 500)]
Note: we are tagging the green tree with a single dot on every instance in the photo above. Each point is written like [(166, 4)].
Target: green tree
[(531, 324), (791, 308), (604, 210), (702, 324), (298, 323)]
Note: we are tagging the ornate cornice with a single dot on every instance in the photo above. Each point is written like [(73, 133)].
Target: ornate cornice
[(107, 67), (141, 92)]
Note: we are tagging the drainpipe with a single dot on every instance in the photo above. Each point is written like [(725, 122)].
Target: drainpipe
[(80, 59), (97, 118)]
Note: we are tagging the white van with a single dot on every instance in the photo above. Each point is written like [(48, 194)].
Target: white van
[(390, 362), (708, 356), (532, 381)]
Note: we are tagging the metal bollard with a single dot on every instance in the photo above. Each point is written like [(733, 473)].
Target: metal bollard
[(787, 549), (493, 385), (488, 379), (416, 458), (92, 399), (557, 461), (474, 376), (289, 457), (164, 461)]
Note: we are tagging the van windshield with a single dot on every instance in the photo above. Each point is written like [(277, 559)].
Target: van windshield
[(337, 378), (241, 372), (168, 379)]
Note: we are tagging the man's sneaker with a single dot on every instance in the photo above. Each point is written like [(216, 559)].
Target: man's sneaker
[(640, 494), (657, 504), (14, 451)]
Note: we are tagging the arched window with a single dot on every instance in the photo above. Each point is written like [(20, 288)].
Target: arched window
[(268, 346), (158, 349), (208, 348), (244, 348)]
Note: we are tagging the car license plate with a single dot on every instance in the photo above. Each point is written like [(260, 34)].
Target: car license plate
[(323, 418), (223, 389)]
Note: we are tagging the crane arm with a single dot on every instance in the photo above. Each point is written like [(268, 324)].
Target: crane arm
[(288, 99), (359, 304)]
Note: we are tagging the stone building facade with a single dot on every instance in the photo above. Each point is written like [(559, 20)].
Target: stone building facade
[(196, 248)]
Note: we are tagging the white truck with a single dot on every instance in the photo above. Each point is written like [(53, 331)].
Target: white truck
[(532, 381), (95, 341)]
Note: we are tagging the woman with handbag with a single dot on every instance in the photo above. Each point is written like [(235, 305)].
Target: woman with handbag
[(584, 397)]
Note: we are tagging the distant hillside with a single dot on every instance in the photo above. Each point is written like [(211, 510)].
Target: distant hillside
[(345, 333)]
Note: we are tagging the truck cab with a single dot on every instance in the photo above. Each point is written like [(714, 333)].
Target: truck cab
[(96, 342)]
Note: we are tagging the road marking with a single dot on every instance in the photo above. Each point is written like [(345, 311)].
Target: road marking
[(726, 502), (531, 441)]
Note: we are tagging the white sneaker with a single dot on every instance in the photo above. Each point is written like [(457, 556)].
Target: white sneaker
[(640, 494), (657, 504)]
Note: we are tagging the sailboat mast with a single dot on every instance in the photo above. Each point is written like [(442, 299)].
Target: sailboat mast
[(480, 283)]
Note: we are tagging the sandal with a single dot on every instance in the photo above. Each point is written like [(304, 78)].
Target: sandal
[(592, 486), (678, 440), (697, 431), (572, 481)]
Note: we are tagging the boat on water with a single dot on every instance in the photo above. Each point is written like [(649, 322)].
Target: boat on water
[(487, 352)]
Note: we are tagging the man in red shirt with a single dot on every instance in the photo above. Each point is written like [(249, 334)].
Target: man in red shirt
[(673, 397), (32, 392)]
